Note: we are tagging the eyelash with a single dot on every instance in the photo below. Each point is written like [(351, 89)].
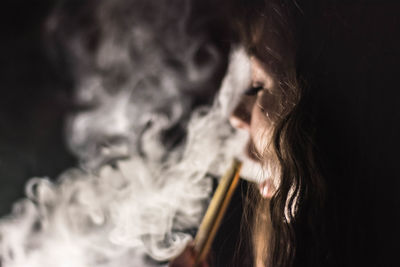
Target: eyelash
[(252, 91)]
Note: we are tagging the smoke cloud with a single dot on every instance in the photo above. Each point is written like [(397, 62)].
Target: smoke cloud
[(148, 140)]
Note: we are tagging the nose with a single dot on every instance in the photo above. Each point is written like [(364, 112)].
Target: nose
[(241, 115)]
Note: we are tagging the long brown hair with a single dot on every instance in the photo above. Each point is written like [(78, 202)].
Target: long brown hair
[(286, 229)]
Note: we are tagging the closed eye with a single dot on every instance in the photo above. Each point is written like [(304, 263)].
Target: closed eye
[(253, 90)]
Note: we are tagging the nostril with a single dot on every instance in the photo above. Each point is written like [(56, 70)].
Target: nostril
[(240, 118)]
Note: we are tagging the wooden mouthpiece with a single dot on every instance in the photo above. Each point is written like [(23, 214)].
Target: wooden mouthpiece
[(216, 210)]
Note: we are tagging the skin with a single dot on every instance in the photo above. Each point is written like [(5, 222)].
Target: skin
[(187, 259), (255, 114)]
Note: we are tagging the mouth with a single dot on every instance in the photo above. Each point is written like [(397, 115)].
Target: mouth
[(265, 185), (251, 152), (252, 169)]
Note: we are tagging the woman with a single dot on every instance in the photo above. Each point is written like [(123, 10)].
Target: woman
[(270, 110), (330, 117)]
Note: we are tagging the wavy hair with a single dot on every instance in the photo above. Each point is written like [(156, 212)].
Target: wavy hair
[(288, 229)]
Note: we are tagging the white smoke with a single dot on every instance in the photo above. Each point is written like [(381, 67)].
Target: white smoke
[(140, 83), (147, 148), (134, 209)]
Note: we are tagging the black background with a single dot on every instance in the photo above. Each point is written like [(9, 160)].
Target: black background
[(33, 101), (358, 116)]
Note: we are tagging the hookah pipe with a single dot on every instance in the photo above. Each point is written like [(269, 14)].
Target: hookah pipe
[(215, 211)]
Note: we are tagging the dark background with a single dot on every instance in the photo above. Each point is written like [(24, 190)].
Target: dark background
[(34, 95), (349, 57), (358, 119)]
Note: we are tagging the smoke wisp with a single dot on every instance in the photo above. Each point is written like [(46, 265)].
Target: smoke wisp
[(147, 141)]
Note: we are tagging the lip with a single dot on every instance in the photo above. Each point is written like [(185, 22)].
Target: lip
[(252, 169), (251, 152), (265, 185)]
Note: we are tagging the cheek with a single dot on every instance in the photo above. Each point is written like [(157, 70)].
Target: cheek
[(271, 104), (260, 129)]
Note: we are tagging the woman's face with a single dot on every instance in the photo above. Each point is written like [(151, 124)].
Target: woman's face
[(256, 113)]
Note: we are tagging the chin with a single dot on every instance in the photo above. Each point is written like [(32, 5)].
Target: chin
[(259, 168)]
